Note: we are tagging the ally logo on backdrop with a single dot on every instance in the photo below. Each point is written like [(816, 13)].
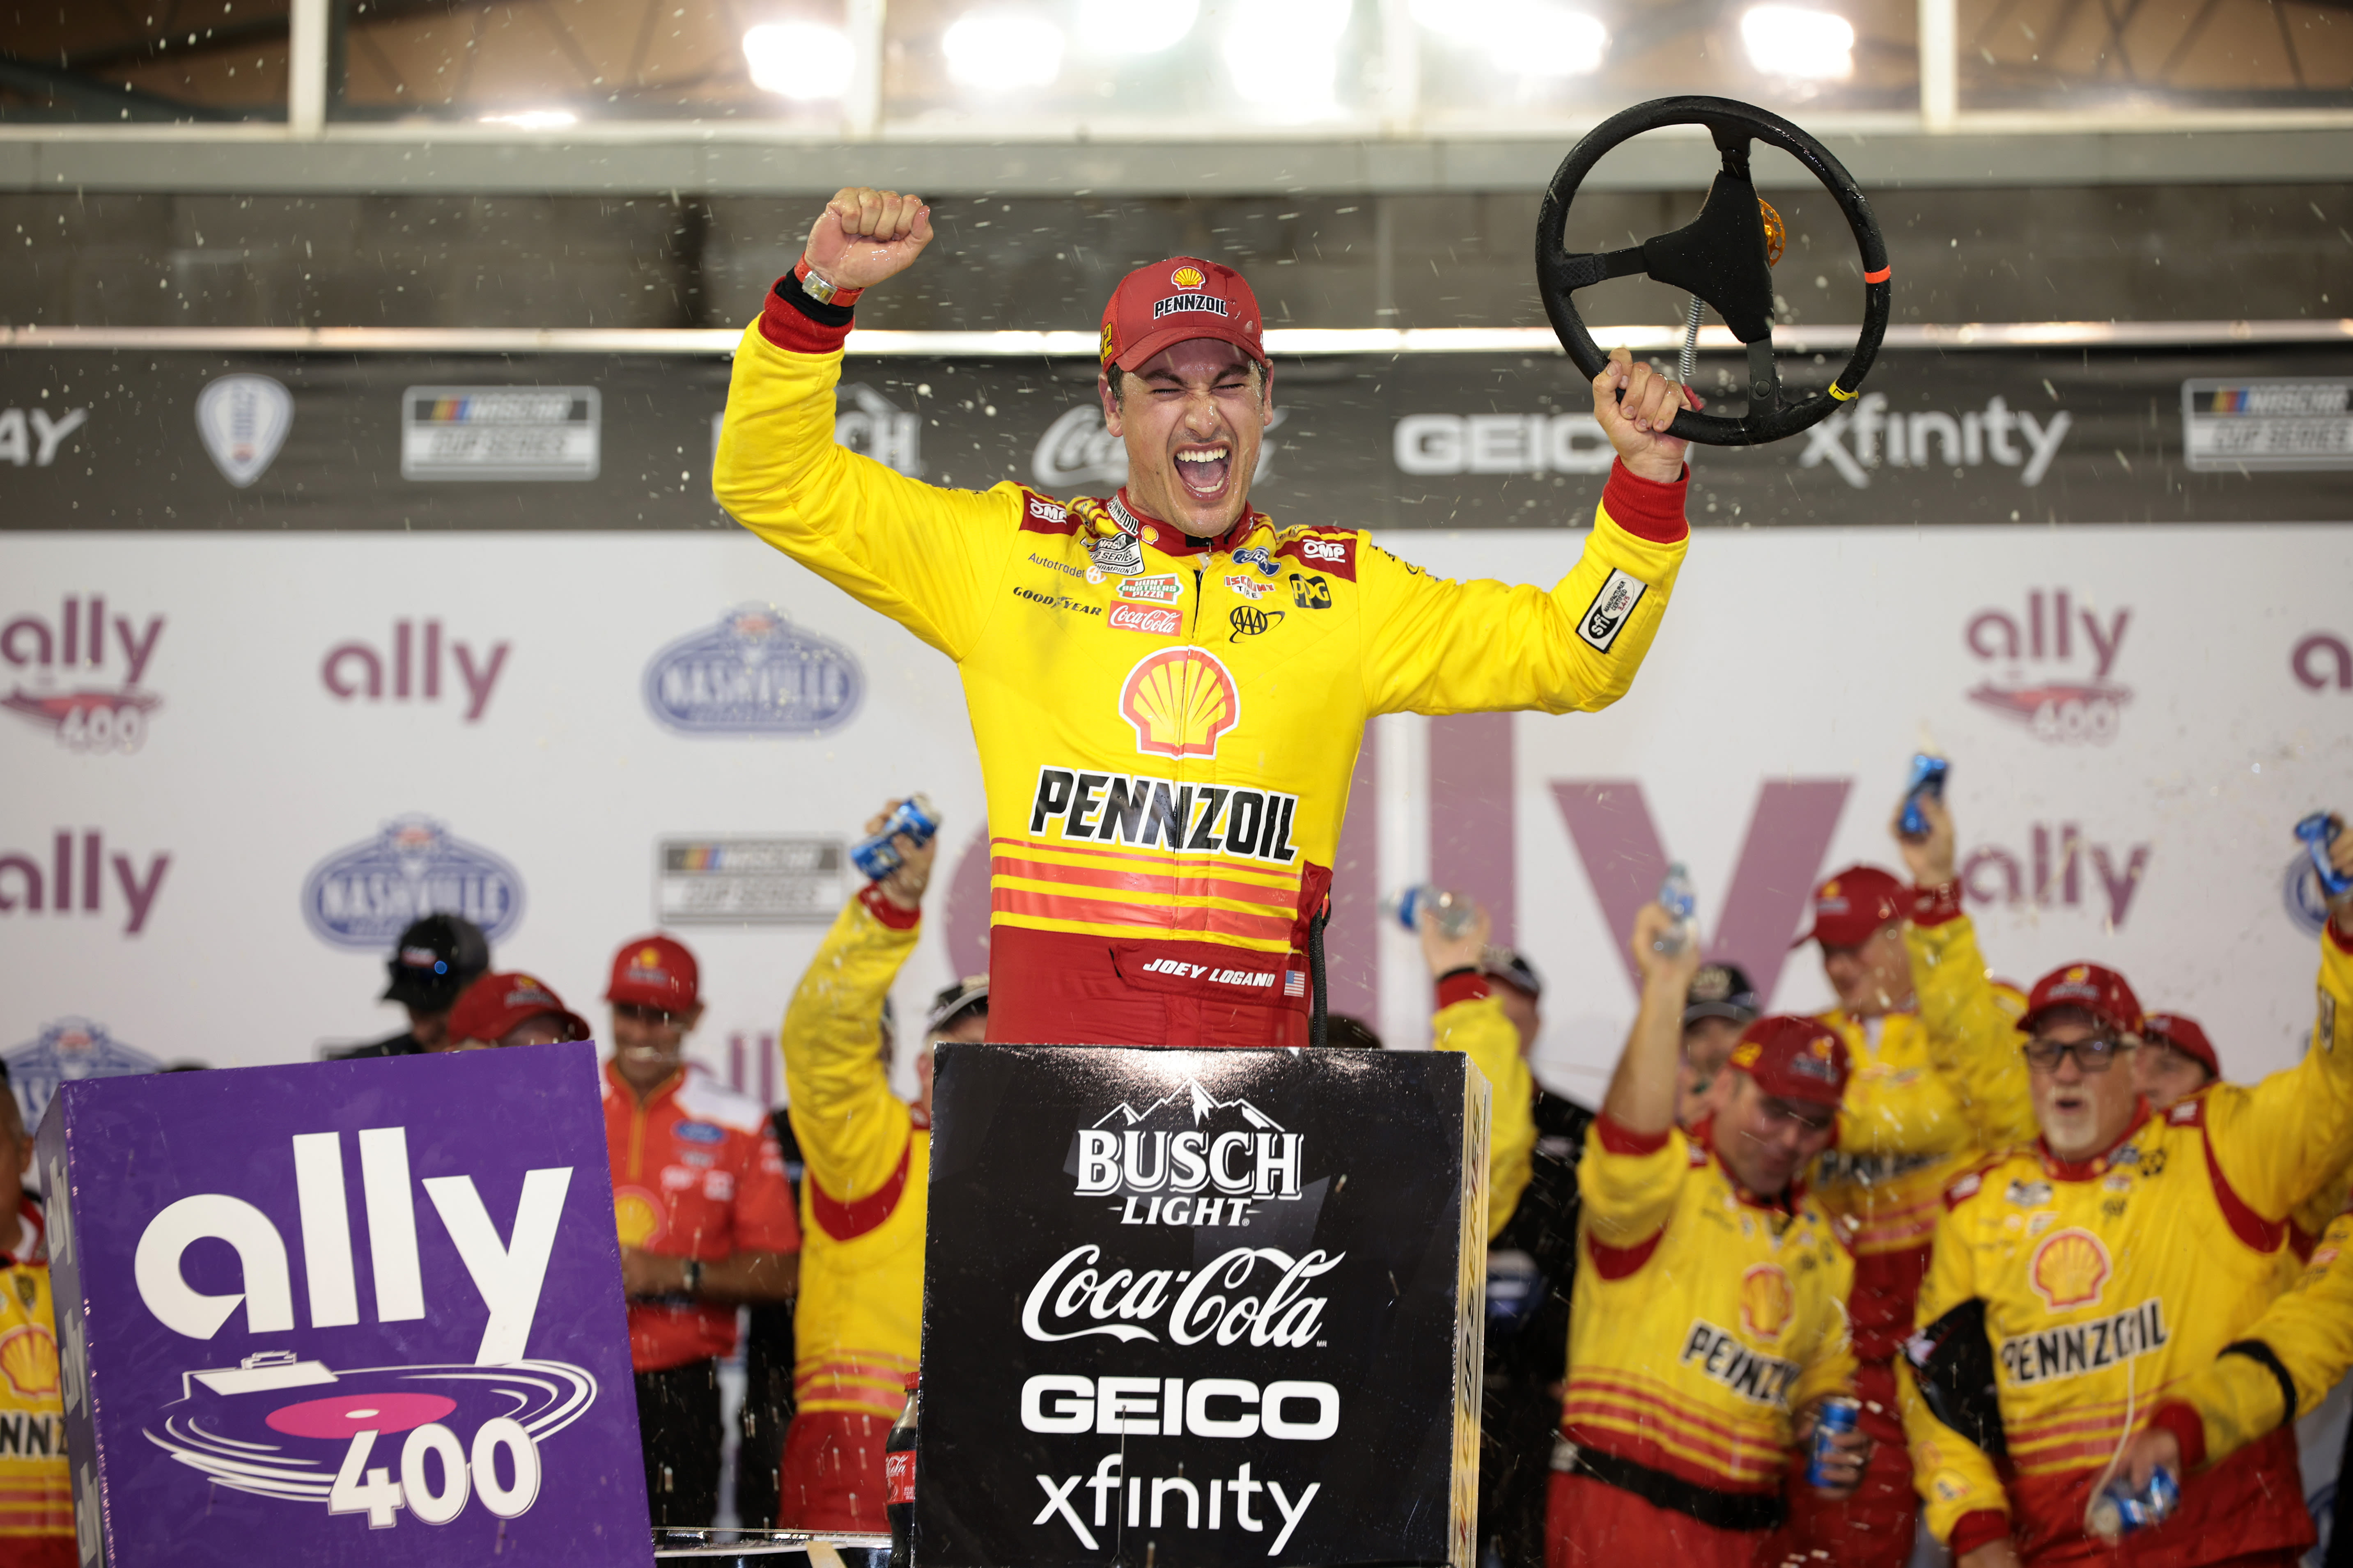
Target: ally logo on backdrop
[(365, 895), (754, 673)]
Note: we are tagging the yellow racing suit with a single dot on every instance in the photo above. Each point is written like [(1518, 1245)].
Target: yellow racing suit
[(1166, 725), (858, 1321), (37, 1521), (2108, 1282)]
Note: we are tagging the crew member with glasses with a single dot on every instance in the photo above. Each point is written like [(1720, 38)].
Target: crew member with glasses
[(2104, 1265)]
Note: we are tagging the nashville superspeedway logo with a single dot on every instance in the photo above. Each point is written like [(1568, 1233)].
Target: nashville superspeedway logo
[(1130, 809)]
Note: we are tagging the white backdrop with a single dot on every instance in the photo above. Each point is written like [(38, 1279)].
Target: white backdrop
[(1793, 655)]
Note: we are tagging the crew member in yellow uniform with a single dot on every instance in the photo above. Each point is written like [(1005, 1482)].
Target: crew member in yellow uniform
[(1710, 1290), (1938, 1087), (2102, 1268), (37, 1521), (1167, 689)]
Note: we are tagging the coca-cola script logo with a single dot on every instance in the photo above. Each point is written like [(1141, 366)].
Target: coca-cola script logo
[(1159, 622)]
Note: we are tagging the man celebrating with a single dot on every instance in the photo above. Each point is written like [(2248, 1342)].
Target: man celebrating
[(1168, 690)]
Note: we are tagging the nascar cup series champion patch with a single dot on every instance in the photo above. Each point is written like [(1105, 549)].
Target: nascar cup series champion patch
[(1194, 1307), (344, 1314)]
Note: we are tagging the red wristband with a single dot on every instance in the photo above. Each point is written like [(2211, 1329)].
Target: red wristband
[(1460, 985), (883, 910), (1935, 906)]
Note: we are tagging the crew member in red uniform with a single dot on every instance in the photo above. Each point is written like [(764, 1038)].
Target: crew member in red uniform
[(705, 1216)]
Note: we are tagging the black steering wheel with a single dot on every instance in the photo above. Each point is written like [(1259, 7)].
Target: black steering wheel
[(1721, 258)]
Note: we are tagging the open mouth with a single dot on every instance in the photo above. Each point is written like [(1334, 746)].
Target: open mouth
[(1203, 471)]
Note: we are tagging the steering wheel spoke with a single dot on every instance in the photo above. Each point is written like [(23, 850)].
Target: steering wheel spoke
[(1724, 257)]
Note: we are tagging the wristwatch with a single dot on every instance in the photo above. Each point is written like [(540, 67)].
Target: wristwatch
[(692, 1277), (813, 285)]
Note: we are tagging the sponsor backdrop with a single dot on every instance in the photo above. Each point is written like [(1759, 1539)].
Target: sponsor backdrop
[(239, 765)]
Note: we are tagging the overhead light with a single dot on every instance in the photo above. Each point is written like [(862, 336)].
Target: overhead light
[(1002, 50), (534, 119), (799, 60), (1520, 37), (1284, 56), (1802, 45), (1134, 26)]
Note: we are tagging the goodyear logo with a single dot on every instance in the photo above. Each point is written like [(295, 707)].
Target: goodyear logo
[(754, 673), (364, 896)]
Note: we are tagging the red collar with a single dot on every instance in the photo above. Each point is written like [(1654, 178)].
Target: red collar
[(2097, 1165), (1702, 1133), (662, 1090), (1170, 540), (30, 1224)]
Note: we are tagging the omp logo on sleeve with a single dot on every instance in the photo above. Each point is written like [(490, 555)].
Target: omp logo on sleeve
[(2079, 1348), (1610, 610), (1757, 1378)]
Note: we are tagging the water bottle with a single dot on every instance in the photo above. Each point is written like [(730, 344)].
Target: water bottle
[(899, 1476), (1452, 912), (1927, 780), (2318, 831), (1838, 1415), (2119, 1511), (876, 856), (1675, 897)]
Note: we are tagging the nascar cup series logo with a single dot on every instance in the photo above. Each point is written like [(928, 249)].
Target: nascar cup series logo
[(1181, 701), (365, 896), (244, 420), (754, 673)]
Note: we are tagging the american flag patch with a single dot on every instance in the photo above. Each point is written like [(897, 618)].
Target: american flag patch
[(1294, 982)]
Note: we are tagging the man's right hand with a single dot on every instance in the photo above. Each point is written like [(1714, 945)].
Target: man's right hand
[(1674, 972), (865, 236), (1932, 859)]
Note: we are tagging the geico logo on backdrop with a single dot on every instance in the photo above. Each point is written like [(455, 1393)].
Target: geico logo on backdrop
[(68, 1050), (1500, 444), (410, 669), (1854, 439), (754, 673), (2322, 661), (365, 895), (79, 673), (2049, 874), (1079, 451), (74, 881), (1175, 1407), (33, 435), (2053, 631)]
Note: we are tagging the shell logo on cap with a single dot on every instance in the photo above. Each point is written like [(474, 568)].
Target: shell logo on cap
[(1766, 1301), (1186, 277), (2078, 974), (2069, 1269), (1181, 700)]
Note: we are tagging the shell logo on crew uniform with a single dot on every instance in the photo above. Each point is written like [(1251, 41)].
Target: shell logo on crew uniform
[(1181, 700), (2070, 1270), (1766, 1301), (638, 1215), (28, 1359), (1186, 277)]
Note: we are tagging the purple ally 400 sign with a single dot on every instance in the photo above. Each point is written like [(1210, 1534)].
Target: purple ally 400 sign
[(345, 1312)]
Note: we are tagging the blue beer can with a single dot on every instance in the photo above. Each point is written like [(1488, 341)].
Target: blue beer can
[(1838, 1414), (2318, 831), (1928, 779), (877, 856), (2119, 1511)]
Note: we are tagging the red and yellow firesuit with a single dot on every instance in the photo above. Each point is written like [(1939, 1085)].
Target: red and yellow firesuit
[(2108, 1282), (36, 1521), (1937, 1091), (1166, 725), (868, 1155)]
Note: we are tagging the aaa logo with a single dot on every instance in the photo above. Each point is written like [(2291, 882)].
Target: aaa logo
[(1766, 1301), (1181, 700), (2069, 1269)]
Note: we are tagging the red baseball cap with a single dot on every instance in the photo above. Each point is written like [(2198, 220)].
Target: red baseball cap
[(655, 971), (2100, 992), (1169, 302), (2183, 1032), (1853, 904), (493, 1005), (1794, 1059)]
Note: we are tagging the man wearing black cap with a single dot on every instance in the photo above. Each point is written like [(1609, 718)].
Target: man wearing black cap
[(1722, 1002), (431, 965)]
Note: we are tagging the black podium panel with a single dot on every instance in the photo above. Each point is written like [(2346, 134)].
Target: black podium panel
[(1194, 1308)]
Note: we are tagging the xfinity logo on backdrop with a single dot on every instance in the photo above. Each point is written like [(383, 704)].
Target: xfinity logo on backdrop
[(1854, 439), (85, 715), (24, 886), (1078, 451), (2054, 630), (1500, 444), (414, 665), (67, 1051), (46, 433), (244, 420), (365, 896), (754, 673)]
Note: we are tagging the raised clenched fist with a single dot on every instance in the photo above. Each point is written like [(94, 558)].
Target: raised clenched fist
[(865, 236)]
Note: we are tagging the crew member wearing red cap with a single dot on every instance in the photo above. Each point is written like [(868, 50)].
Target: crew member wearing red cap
[(1933, 1093), (705, 1215), (2108, 1263), (1167, 689), (514, 1009), (1709, 1317)]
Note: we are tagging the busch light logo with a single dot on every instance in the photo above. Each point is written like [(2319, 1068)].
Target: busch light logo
[(754, 673), (68, 1051), (244, 420), (365, 896), (871, 425), (1079, 451)]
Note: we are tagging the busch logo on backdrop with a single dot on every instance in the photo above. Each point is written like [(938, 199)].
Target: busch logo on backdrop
[(68, 1050), (870, 423), (84, 669), (1854, 439), (754, 673), (2065, 703), (365, 896)]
